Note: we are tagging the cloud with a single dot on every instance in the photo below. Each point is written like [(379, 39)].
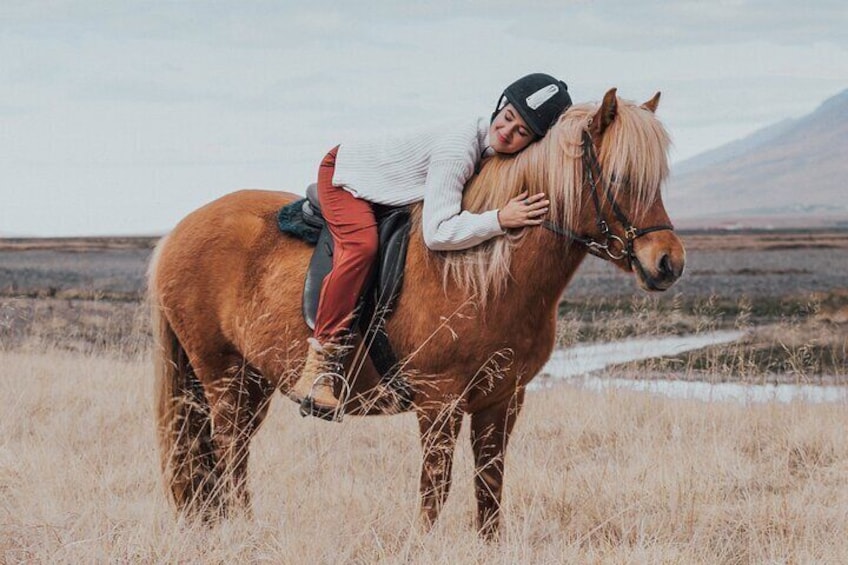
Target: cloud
[(613, 24), (655, 24), (181, 101)]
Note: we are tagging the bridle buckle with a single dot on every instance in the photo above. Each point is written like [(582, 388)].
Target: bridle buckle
[(610, 248)]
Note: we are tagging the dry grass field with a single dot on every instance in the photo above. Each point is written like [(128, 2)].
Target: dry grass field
[(607, 477), (612, 477)]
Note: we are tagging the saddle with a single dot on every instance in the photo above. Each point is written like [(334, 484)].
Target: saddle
[(303, 220)]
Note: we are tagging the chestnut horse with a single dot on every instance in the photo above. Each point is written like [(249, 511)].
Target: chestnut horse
[(472, 327)]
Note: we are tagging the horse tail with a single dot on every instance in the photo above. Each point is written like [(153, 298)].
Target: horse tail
[(183, 421)]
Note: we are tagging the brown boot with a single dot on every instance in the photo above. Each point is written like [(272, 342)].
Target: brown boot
[(314, 389)]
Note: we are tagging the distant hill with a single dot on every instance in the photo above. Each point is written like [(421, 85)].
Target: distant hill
[(734, 149), (794, 172)]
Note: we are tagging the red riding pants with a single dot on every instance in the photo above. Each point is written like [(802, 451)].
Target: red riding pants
[(354, 230)]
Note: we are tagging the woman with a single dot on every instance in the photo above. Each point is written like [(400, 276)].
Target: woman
[(432, 166)]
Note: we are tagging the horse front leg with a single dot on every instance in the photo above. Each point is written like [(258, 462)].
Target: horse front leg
[(439, 424), (239, 403), (490, 430)]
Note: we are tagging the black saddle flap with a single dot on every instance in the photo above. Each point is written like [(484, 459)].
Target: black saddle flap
[(319, 266), (394, 238)]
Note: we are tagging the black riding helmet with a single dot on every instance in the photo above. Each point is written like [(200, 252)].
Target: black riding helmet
[(538, 98)]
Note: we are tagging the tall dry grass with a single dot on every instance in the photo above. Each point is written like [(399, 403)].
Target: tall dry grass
[(591, 477)]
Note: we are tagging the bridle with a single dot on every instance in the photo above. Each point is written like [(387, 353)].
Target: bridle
[(612, 246)]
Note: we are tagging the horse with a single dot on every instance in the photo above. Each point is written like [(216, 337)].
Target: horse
[(472, 327)]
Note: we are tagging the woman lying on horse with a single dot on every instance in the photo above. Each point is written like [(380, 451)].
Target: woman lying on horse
[(472, 327), (432, 166)]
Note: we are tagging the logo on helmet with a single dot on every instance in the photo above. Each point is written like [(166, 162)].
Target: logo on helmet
[(541, 96)]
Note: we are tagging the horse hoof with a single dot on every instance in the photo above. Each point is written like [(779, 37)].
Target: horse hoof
[(308, 407)]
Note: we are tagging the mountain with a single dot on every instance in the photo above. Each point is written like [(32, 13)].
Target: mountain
[(734, 148), (794, 172)]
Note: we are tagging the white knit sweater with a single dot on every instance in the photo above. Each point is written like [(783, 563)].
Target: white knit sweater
[(432, 165)]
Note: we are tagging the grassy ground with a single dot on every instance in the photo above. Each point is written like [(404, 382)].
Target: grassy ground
[(792, 338), (613, 477)]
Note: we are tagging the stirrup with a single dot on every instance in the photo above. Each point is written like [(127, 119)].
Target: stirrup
[(309, 408)]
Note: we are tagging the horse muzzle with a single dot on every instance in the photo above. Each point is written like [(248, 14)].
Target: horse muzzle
[(659, 262)]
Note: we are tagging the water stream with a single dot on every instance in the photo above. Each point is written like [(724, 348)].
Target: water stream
[(576, 365)]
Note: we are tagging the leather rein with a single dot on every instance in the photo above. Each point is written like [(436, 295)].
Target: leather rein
[(612, 246)]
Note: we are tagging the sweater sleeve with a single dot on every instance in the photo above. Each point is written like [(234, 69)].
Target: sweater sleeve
[(446, 226)]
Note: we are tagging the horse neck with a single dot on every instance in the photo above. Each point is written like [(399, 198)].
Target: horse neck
[(541, 268)]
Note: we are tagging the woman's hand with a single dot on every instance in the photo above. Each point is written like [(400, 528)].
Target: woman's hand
[(523, 211)]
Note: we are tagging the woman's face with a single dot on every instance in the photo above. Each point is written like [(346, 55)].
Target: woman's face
[(508, 132)]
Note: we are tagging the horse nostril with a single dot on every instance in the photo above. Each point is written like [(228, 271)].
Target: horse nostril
[(664, 266)]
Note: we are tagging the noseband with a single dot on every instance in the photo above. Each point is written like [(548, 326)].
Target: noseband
[(612, 246)]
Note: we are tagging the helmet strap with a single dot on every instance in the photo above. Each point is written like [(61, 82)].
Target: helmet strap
[(498, 107)]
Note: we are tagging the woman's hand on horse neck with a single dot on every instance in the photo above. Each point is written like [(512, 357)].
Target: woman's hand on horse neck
[(524, 211)]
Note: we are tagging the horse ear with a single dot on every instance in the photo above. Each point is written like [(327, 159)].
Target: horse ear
[(606, 114), (652, 103)]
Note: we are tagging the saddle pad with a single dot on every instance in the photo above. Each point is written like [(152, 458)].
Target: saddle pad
[(292, 220)]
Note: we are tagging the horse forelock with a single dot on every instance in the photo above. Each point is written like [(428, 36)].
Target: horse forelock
[(635, 147)]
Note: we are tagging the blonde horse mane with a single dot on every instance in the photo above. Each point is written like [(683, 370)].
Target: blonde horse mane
[(634, 147)]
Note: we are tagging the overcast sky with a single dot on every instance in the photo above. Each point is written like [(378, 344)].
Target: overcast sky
[(121, 117)]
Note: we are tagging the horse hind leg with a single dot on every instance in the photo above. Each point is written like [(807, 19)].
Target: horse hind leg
[(238, 402), (205, 425)]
